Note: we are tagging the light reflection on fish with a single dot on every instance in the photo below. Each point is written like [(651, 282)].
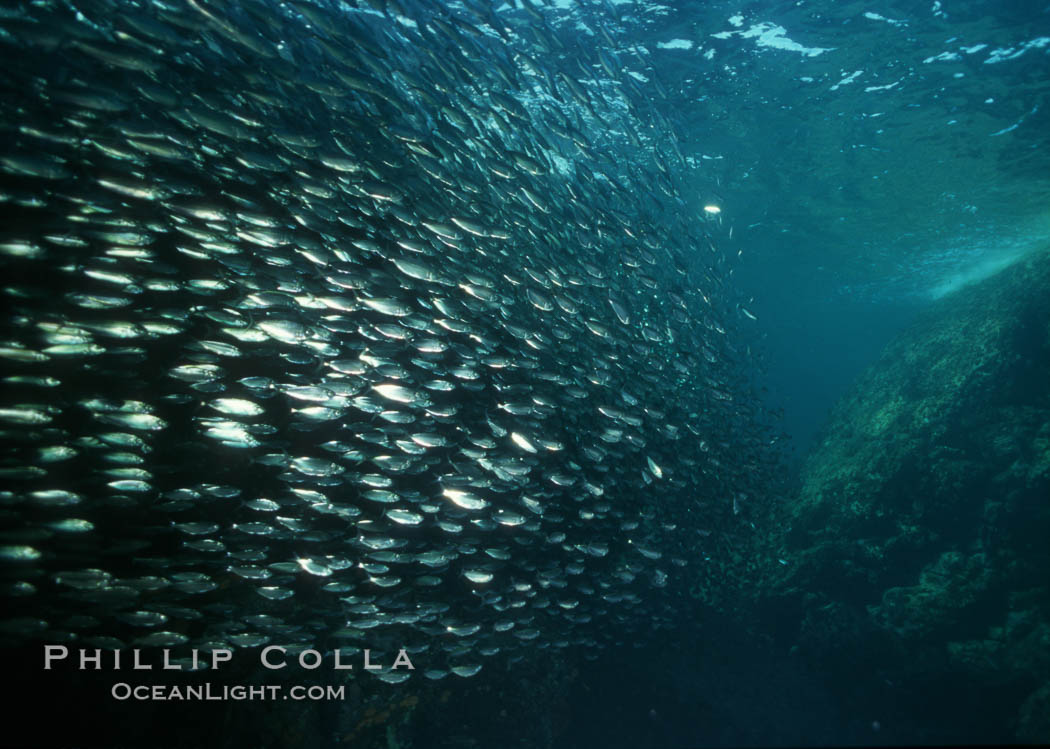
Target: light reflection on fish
[(330, 322)]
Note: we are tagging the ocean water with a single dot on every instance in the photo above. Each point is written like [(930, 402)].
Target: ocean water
[(536, 374)]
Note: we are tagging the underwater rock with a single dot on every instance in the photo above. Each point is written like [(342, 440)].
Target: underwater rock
[(917, 545)]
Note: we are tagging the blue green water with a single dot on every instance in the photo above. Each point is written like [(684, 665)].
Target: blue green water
[(868, 158), (499, 333)]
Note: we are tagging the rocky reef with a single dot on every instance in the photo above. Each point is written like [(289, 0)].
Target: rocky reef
[(916, 554)]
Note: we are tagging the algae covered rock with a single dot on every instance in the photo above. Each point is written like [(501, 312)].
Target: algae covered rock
[(920, 537)]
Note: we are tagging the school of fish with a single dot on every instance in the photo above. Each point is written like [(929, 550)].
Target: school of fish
[(352, 324)]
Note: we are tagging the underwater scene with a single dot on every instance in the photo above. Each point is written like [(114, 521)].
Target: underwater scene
[(525, 374)]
